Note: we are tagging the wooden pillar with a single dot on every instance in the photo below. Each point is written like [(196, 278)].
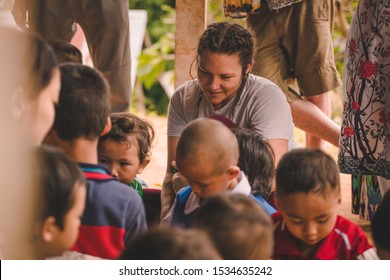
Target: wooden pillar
[(190, 24)]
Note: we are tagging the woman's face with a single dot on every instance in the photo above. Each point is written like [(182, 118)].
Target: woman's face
[(219, 76), (39, 117)]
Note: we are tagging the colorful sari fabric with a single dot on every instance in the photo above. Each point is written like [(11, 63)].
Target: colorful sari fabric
[(366, 118), (241, 8), (366, 196)]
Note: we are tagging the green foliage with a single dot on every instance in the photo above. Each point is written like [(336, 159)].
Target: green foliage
[(158, 58), (156, 100), (155, 26)]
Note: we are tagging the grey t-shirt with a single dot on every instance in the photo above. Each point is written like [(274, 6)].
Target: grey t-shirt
[(262, 107)]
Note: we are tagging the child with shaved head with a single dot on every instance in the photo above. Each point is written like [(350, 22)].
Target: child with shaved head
[(206, 155)]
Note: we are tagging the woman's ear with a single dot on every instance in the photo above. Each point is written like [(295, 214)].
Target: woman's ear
[(107, 127), (248, 68)]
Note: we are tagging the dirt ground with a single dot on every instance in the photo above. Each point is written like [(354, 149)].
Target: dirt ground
[(153, 175)]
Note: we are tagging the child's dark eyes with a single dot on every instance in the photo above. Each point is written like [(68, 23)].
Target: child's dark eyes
[(124, 164), (296, 222), (322, 221), (103, 161)]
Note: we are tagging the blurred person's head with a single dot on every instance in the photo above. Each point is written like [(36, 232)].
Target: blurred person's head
[(29, 89), (30, 83), (238, 226), (66, 52), (166, 243), (380, 226), (62, 189)]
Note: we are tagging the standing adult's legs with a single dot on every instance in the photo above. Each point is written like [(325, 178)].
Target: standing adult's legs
[(107, 29)]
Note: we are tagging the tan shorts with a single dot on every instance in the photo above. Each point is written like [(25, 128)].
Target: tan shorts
[(106, 27), (295, 43)]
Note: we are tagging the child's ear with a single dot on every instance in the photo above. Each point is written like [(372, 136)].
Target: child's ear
[(233, 171), (48, 229), (142, 166), (107, 127), (339, 200)]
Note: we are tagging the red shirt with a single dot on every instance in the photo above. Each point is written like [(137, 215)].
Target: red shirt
[(346, 241)]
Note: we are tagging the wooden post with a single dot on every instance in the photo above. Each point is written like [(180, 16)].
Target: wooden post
[(190, 24)]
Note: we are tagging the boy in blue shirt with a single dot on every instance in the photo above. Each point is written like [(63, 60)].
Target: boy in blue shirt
[(206, 155), (114, 213)]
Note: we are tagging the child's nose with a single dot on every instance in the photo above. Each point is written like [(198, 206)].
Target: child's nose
[(114, 172), (310, 229)]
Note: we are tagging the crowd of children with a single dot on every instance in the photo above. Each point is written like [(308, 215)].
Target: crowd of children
[(89, 204)]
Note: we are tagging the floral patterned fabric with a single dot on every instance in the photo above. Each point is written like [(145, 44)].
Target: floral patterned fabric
[(366, 121), (241, 8)]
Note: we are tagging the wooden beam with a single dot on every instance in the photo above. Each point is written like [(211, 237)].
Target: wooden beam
[(190, 24)]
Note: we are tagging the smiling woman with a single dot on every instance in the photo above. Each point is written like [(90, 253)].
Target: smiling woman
[(224, 86)]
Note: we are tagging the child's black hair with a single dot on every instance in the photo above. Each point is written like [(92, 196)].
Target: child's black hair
[(58, 175)]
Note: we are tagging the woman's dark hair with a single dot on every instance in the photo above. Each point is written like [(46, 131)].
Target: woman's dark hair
[(57, 177), (226, 38)]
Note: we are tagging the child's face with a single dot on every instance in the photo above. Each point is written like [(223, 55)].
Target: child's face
[(41, 112), (205, 183), (310, 217), (64, 239), (123, 161)]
